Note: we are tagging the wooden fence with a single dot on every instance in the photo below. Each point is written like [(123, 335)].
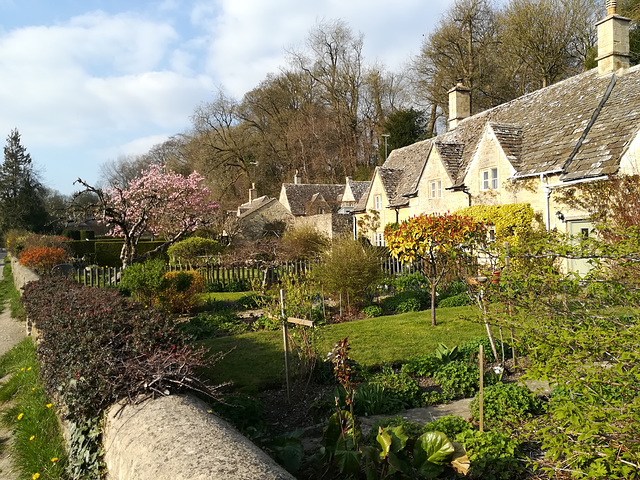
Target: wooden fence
[(266, 274)]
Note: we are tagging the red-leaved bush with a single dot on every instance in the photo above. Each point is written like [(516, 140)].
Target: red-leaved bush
[(97, 347), (43, 259)]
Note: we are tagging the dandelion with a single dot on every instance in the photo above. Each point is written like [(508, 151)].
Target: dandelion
[(22, 369), (49, 405), (54, 459), (32, 437), (20, 416), (33, 389), (28, 369), (36, 476)]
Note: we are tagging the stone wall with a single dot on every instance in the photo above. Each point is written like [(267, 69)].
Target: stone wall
[(176, 438)]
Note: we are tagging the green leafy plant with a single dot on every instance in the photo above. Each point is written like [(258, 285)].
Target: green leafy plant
[(399, 386), (458, 379), (195, 251), (450, 425), (372, 311), (506, 402), (458, 300), (85, 449), (144, 280), (445, 354), (493, 455), (422, 365)]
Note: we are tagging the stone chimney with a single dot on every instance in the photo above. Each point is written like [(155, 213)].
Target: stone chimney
[(253, 193), (459, 104), (297, 178), (613, 41)]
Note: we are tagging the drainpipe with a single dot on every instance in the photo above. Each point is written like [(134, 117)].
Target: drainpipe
[(547, 189)]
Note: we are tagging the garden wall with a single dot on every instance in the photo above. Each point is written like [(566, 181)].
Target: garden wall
[(173, 438)]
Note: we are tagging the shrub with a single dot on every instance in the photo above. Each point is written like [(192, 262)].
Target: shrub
[(413, 282), (179, 290), (458, 379), (304, 242), (421, 365), (372, 311), (144, 280), (14, 240), (459, 300), (409, 305), (349, 268), (96, 347), (43, 259), (493, 455), (195, 251), (506, 402), (407, 299)]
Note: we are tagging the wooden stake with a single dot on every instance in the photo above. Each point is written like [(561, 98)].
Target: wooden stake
[(285, 337), (481, 392)]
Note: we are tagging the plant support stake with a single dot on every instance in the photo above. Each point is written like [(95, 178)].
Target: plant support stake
[(481, 392), (285, 338)]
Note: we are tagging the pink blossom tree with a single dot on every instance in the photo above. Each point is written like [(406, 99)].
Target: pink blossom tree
[(161, 202)]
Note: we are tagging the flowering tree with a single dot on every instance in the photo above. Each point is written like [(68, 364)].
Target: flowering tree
[(158, 201), (444, 243)]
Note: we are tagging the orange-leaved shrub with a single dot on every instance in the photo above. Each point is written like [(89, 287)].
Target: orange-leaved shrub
[(43, 259), (179, 290)]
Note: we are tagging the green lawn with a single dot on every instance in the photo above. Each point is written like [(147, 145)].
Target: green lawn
[(258, 360), (223, 296)]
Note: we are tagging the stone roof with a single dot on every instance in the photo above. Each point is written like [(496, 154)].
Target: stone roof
[(248, 208), (358, 188), (300, 194), (579, 128)]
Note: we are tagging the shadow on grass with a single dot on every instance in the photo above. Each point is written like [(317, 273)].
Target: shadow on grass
[(253, 361)]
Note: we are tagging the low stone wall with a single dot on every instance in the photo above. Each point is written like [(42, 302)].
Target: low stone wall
[(22, 275), (175, 438)]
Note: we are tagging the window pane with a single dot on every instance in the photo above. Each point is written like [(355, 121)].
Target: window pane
[(494, 178)]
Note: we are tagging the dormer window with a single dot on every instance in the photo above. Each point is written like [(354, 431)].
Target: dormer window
[(435, 189), (489, 179)]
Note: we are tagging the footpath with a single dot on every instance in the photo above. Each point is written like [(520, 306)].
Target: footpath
[(11, 333)]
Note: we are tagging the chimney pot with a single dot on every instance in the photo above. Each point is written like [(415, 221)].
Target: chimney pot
[(253, 193)]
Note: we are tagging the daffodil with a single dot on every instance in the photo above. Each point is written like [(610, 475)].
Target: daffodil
[(35, 476)]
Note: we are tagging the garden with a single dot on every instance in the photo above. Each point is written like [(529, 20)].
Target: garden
[(359, 344)]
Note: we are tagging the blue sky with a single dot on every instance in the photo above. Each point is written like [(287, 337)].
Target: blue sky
[(87, 81)]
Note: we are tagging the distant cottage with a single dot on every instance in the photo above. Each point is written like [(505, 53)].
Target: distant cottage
[(579, 130)]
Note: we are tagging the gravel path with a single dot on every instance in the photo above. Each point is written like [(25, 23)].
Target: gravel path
[(11, 333)]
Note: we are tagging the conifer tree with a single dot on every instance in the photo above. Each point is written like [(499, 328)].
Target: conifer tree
[(21, 192)]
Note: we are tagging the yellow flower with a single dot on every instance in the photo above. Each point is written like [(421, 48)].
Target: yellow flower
[(33, 389), (49, 405), (54, 459), (35, 476), (28, 369), (32, 437), (20, 416), (22, 369)]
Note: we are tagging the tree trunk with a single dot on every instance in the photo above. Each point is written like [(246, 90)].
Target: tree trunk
[(433, 304), (128, 252)]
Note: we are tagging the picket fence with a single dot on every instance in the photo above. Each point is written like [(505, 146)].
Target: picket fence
[(266, 274)]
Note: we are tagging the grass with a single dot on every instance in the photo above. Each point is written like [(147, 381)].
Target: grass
[(258, 359), (223, 296), (38, 444)]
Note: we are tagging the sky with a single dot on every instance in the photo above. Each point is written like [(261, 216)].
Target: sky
[(88, 81)]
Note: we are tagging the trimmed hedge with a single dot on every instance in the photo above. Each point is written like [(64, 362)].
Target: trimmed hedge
[(97, 347)]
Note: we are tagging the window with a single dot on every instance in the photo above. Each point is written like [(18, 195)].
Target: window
[(490, 179), (380, 239), (436, 189), (377, 202)]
